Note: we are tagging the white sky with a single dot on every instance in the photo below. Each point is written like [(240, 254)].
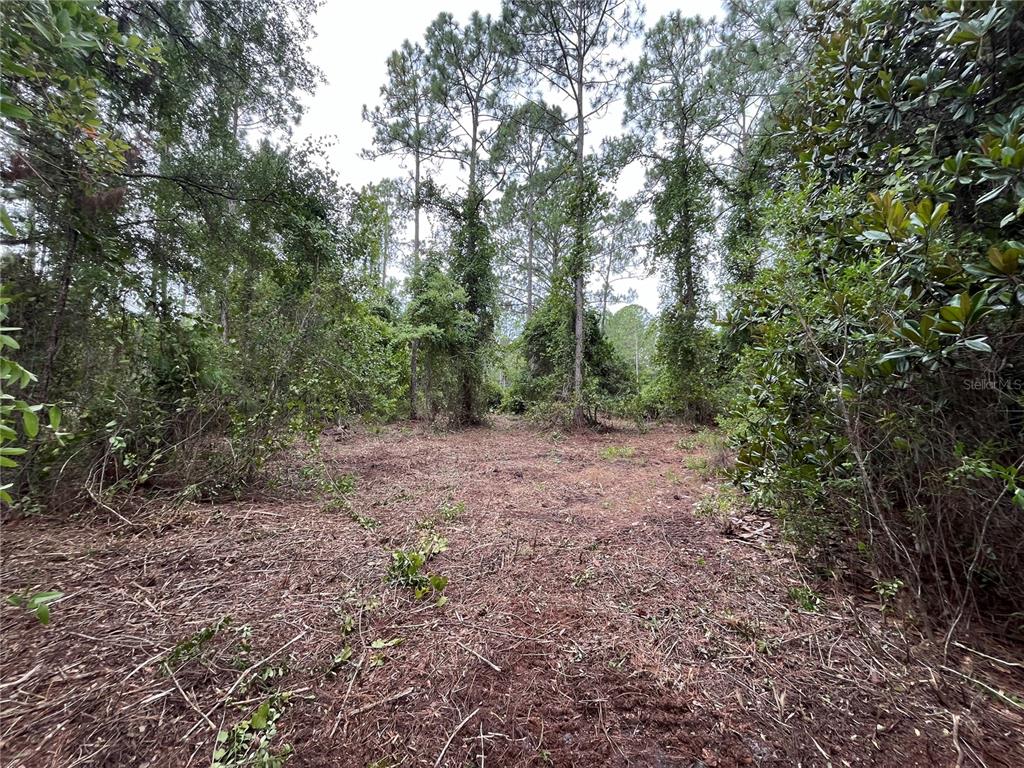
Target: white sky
[(351, 47)]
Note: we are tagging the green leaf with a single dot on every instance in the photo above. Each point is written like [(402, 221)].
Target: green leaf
[(260, 716), (978, 345), (54, 417), (30, 422), (5, 219), (951, 313), (874, 234)]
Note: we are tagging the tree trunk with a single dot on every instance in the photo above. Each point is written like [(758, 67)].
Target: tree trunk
[(224, 314), (636, 351), (416, 264), (579, 415), (428, 389), (416, 205), (606, 290), (472, 245), (529, 263)]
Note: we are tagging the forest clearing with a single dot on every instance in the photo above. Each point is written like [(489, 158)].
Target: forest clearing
[(512, 383), (603, 607)]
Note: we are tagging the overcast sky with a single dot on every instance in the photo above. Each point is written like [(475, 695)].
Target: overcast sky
[(351, 47)]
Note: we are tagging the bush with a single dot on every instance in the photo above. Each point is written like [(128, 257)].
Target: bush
[(542, 387), (881, 397)]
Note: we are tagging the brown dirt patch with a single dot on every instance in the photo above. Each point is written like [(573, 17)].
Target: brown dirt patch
[(592, 619)]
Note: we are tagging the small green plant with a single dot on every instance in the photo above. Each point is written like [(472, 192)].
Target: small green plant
[(405, 567), (341, 486), (583, 578), (806, 598), (432, 544), (696, 463), (365, 522), (249, 742), (337, 504), (452, 511), (192, 647), (262, 680), (339, 660), (721, 503), (405, 570), (37, 603), (613, 452), (887, 589), (380, 645), (348, 622), (704, 438), (243, 648)]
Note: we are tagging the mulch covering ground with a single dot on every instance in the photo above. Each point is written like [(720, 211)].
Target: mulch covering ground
[(593, 617)]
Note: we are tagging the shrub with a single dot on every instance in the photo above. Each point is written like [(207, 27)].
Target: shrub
[(879, 391)]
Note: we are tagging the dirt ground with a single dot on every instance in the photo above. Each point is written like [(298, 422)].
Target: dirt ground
[(601, 609)]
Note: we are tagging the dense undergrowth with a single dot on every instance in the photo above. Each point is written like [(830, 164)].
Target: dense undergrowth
[(882, 397)]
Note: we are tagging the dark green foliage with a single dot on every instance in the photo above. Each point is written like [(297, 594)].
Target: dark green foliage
[(445, 331), (192, 299), (472, 269), (690, 380), (883, 393), (670, 104), (547, 345)]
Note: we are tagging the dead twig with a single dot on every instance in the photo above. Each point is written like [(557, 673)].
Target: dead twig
[(985, 686), (452, 736), (488, 662), (385, 700), (189, 700), (242, 677)]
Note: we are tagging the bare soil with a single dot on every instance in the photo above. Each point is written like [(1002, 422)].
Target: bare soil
[(597, 613)]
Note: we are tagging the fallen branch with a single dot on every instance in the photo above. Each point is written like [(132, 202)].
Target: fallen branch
[(385, 700), (238, 682), (488, 662), (986, 687), (189, 700)]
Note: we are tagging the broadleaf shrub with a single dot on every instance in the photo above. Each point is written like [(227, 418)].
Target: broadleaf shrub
[(883, 370)]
